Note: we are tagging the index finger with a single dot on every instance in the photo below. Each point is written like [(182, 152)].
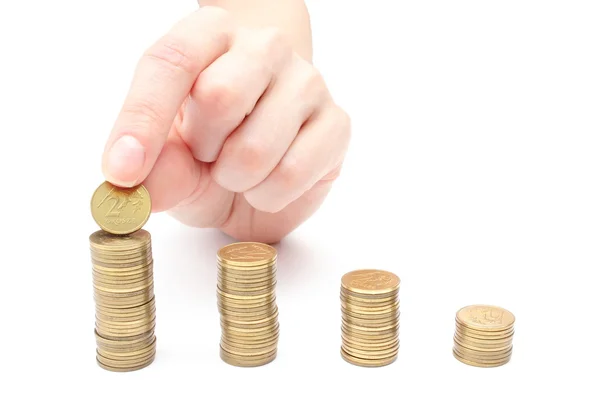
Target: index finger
[(163, 79)]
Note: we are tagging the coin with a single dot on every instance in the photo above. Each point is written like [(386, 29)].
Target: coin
[(120, 211), (483, 336), (371, 282), (123, 284), (485, 318), (246, 299), (247, 257), (370, 317)]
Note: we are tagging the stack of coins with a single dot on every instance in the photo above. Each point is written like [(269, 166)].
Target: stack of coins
[(483, 336), (370, 317), (123, 278), (124, 295), (246, 301)]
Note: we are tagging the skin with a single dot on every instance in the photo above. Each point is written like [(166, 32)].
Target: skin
[(229, 125)]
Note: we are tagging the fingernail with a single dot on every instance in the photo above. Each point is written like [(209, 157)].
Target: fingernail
[(125, 161)]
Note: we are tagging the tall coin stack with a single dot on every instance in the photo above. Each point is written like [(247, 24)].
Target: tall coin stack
[(370, 317), (124, 295), (246, 301), (483, 336), (122, 269)]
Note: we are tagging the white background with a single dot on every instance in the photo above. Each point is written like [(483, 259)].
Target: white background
[(473, 174)]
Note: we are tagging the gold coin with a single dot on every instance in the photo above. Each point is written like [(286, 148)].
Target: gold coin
[(388, 296), (371, 322), (480, 342), (238, 294), (233, 276), (482, 357), (372, 317), (370, 354), (370, 281), (375, 313), (122, 267), (124, 345), (392, 326), (368, 303), (125, 363), (256, 344), (251, 270), (249, 352), (478, 350), (128, 369), (481, 364), (470, 334), (247, 362), (364, 344), (372, 338), (250, 343), (246, 255), (485, 318), (120, 210), (367, 363), (110, 353), (369, 306), (248, 325), (135, 358), (249, 338)]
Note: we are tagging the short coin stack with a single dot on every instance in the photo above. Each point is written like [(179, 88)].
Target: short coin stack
[(246, 300), (370, 317), (483, 336), (124, 295)]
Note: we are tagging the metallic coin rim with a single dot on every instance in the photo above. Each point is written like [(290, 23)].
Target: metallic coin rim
[(371, 355), (221, 257), (134, 228), (476, 335), (370, 322), (251, 352), (246, 364), (346, 285), (475, 326), (366, 363), (233, 336), (394, 294), (119, 240), (490, 343), (371, 338), (126, 354), (482, 358), (369, 302), (484, 338), (126, 363), (137, 368), (482, 352), (480, 365)]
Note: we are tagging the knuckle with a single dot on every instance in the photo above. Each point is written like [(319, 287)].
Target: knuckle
[(273, 42), (172, 54), (290, 173), (219, 97), (251, 155), (312, 82)]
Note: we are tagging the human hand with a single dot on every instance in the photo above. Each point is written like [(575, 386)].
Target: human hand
[(228, 128)]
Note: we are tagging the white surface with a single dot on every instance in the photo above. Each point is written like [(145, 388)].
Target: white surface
[(473, 174)]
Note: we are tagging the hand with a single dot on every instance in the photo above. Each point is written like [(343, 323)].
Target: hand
[(228, 128)]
